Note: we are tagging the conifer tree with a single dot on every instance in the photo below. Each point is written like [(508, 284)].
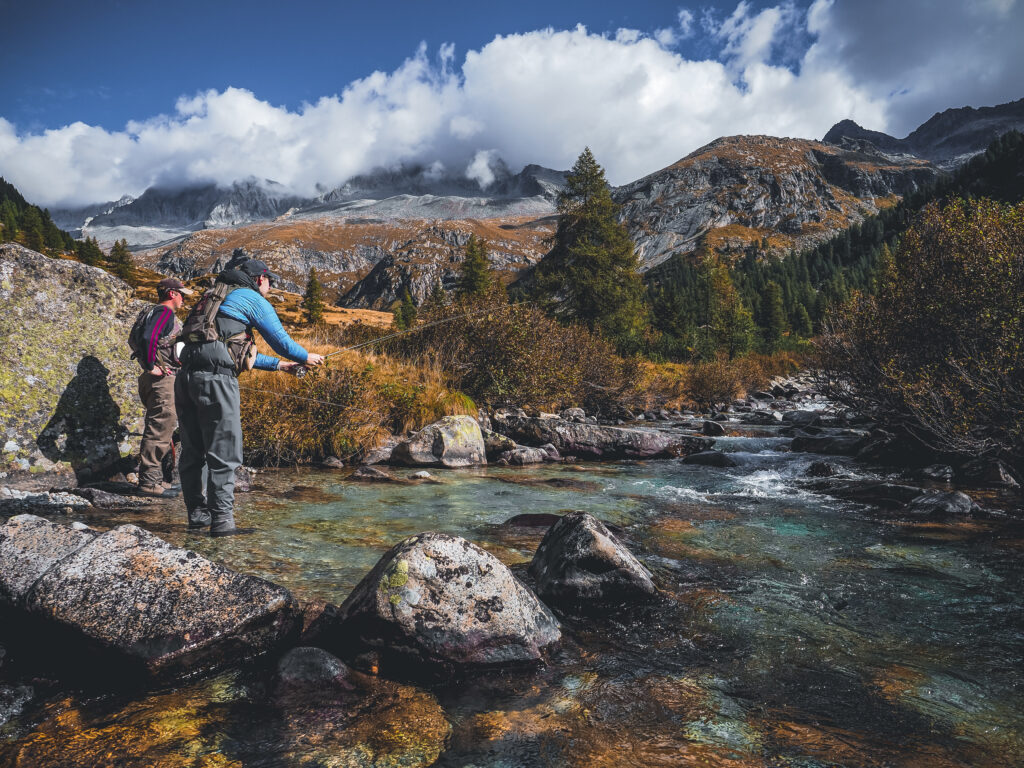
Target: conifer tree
[(9, 221), (88, 251), (120, 260), (438, 297), (773, 317), (405, 315), (474, 276), (591, 273), (313, 299), (31, 226), (728, 323), (802, 322)]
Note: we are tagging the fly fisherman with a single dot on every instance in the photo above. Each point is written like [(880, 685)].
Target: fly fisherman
[(218, 345), (152, 342)]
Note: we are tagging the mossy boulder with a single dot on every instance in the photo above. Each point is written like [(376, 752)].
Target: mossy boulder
[(437, 603), (68, 389), (454, 441)]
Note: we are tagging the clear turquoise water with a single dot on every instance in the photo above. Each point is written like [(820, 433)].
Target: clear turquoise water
[(795, 629)]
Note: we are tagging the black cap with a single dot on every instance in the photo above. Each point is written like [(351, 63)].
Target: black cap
[(255, 267)]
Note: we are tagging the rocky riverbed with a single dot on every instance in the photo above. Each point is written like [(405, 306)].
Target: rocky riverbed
[(781, 602)]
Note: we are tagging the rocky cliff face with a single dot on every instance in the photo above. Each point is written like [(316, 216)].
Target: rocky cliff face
[(947, 139), (434, 255), (68, 396), (783, 193), (366, 263)]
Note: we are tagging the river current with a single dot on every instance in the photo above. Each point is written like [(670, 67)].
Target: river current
[(793, 629)]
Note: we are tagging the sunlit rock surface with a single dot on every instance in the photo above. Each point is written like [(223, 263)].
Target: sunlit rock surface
[(454, 441), (140, 600), (441, 602), (68, 389)]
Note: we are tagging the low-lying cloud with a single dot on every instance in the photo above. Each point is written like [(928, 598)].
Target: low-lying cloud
[(539, 97)]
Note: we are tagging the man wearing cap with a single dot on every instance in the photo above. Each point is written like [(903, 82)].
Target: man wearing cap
[(155, 353), (207, 398)]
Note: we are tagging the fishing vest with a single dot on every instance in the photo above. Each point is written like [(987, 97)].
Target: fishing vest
[(205, 326)]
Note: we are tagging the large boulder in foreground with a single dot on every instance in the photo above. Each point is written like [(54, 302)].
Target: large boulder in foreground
[(580, 561), (67, 383), (436, 603), (137, 599), (454, 441), (594, 441)]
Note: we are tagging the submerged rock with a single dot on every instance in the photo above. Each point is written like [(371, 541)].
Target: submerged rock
[(454, 441), (580, 561), (373, 475), (712, 429), (833, 445), (594, 441), (822, 469), (436, 602), (306, 665), (138, 599), (710, 459), (521, 455), (941, 504)]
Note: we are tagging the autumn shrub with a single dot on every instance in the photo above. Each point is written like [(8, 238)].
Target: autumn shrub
[(937, 352), (341, 409), (712, 382), (502, 353)]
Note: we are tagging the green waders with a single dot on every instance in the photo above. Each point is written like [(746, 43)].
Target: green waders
[(210, 424)]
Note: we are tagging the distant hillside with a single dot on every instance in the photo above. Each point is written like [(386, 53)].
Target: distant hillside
[(947, 139), (365, 263), (28, 224), (781, 194)]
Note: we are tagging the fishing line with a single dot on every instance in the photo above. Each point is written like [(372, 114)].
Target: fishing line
[(307, 399)]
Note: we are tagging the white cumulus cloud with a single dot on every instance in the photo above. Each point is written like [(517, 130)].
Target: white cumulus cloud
[(536, 97)]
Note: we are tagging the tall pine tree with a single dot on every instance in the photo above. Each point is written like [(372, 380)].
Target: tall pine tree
[(591, 273), (313, 299), (120, 261), (474, 276), (405, 315), (773, 317)]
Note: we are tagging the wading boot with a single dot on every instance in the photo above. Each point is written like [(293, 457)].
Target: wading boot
[(157, 490)]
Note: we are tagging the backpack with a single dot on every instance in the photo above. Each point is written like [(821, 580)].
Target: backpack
[(201, 326), (135, 341)]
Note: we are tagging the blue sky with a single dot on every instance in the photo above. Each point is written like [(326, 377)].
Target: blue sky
[(108, 97), (106, 62)]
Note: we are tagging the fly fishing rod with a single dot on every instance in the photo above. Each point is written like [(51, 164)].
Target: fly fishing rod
[(300, 370)]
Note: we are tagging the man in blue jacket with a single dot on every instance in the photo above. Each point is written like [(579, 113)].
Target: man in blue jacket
[(207, 399)]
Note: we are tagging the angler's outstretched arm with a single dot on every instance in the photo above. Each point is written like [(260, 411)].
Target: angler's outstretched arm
[(251, 308)]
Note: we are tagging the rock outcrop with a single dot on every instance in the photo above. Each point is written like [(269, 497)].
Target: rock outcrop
[(947, 138), (593, 441), (436, 602), (454, 441), (135, 599), (743, 190), (68, 390), (580, 563)]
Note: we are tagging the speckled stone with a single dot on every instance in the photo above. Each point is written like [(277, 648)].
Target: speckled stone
[(439, 601), (29, 547), (580, 561), (454, 441), (135, 595)]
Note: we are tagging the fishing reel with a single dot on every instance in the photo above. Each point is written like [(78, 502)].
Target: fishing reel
[(298, 371)]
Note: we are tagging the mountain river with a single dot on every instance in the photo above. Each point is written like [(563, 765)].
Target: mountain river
[(793, 629)]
